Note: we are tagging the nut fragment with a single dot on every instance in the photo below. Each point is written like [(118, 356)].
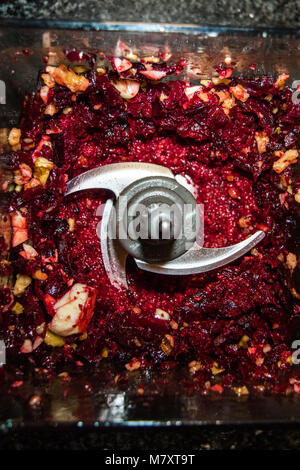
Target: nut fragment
[(243, 343), (194, 366), (223, 95), (285, 160), (280, 82), (151, 59), (239, 92), (26, 347), (174, 325), (261, 139), (53, 340), (228, 103), (133, 365), (35, 401), (128, 89), (104, 352), (241, 390), (295, 293), (163, 97), (42, 168), (244, 222), (73, 311), (291, 261), (233, 193), (206, 83), (121, 65), (67, 77), (48, 80), (219, 81), (190, 91), (153, 74), (100, 71), (80, 69), (21, 284), (23, 174), (167, 344), (19, 226), (18, 308), (216, 369), (268, 97), (45, 140), (71, 223), (28, 252), (14, 136), (41, 328), (67, 110), (33, 183), (39, 275), (50, 110), (161, 314), (44, 94)]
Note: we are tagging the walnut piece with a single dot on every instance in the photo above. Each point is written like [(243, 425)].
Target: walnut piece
[(133, 365), (14, 136), (68, 78), (73, 311), (285, 160), (239, 92), (261, 139), (291, 261), (21, 284)]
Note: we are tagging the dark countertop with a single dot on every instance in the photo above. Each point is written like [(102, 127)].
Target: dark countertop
[(268, 13), (276, 13), (186, 440)]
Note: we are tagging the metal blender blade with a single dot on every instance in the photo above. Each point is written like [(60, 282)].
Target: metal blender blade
[(198, 259), (125, 178), (114, 178)]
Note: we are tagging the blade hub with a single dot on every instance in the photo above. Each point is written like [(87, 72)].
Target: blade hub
[(157, 219), (168, 241)]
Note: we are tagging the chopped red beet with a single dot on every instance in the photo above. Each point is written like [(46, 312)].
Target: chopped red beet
[(232, 324)]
